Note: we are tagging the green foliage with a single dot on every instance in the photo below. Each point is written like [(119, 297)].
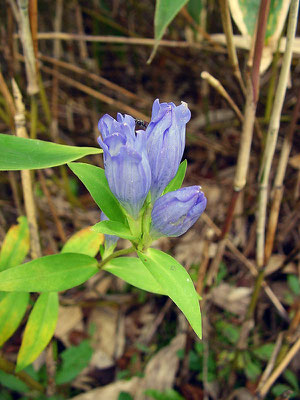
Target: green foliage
[(86, 241), (95, 181), (264, 352), (114, 228), (294, 284), (16, 245), (176, 182), (125, 396), (50, 273), (133, 271), (176, 283), (74, 360), (12, 382), (195, 8), (39, 329), (169, 394), (12, 309), (19, 153), (228, 332)]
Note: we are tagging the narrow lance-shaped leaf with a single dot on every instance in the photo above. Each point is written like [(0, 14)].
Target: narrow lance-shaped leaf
[(16, 245), (20, 153), (12, 309), (176, 283), (165, 12), (39, 329), (50, 273), (134, 272), (176, 182), (86, 241), (113, 228), (95, 181)]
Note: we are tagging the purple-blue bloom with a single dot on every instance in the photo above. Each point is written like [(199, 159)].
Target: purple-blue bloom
[(175, 212), (165, 143), (110, 240), (126, 163)]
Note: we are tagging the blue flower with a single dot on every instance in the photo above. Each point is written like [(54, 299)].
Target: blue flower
[(126, 163), (110, 240), (165, 143), (175, 212)]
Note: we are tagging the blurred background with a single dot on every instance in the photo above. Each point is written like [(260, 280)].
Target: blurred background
[(76, 60)]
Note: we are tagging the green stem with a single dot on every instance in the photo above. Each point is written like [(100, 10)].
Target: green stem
[(33, 117), (116, 254)]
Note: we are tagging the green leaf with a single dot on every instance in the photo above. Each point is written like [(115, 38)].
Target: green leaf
[(264, 352), (50, 273), (244, 13), (292, 379), (86, 241), (74, 360), (165, 12), (280, 388), (294, 284), (176, 182), (16, 245), (113, 228), (39, 329), (12, 309), (20, 153), (12, 382), (95, 181), (176, 283), (133, 271), (195, 8), (252, 368)]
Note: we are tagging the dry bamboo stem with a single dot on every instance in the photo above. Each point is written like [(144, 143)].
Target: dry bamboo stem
[(91, 75), (220, 88), (272, 134), (82, 44), (26, 178), (56, 53), (30, 63), (281, 367), (278, 183), (94, 93), (227, 26)]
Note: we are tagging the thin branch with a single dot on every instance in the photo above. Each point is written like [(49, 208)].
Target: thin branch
[(264, 174)]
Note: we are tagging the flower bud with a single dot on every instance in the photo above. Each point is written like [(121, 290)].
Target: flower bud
[(110, 240), (165, 143), (175, 212), (126, 163)]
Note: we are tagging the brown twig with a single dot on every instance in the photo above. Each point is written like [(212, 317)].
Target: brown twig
[(94, 93)]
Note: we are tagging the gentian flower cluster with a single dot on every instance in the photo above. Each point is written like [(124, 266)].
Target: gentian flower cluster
[(140, 164)]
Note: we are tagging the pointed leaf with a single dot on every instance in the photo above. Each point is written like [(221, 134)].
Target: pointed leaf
[(86, 241), (176, 182), (165, 12), (113, 228), (39, 329), (50, 273), (16, 245), (95, 181), (12, 309), (176, 283), (20, 153), (134, 272)]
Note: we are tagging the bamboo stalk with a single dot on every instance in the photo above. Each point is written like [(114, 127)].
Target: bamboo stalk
[(227, 27), (272, 134), (279, 369), (25, 34), (278, 182), (25, 175), (221, 90)]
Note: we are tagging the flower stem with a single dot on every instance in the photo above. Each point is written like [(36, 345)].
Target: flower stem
[(116, 254)]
